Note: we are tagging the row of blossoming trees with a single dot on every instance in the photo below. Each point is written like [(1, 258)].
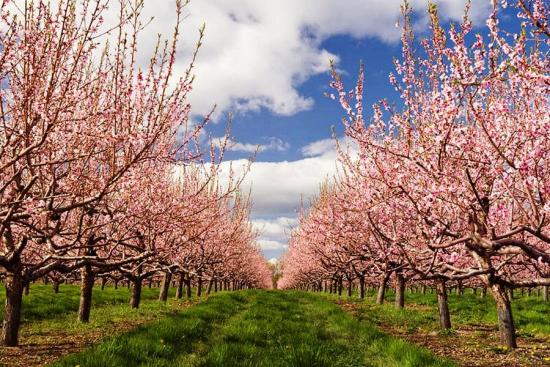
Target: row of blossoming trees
[(452, 184), (101, 174)]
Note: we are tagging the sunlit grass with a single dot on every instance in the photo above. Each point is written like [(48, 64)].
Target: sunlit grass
[(530, 312), (42, 303), (257, 328)]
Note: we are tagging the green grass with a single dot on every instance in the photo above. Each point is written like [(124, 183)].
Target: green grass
[(529, 312), (256, 328), (42, 303)]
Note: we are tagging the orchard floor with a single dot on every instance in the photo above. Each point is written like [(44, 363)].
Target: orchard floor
[(266, 328)]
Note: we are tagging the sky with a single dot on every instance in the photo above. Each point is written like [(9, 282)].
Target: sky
[(266, 63)]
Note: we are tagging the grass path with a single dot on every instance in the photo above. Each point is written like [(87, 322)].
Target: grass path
[(256, 328)]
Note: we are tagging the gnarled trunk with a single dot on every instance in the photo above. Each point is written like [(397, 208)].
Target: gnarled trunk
[(443, 305), (12, 312), (209, 288), (55, 286), (382, 289), (179, 289), (86, 288), (136, 292), (163, 296), (188, 286), (506, 327), (362, 286), (399, 290), (199, 286)]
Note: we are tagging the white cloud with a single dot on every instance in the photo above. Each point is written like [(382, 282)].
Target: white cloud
[(277, 229), (257, 53), (272, 245), (318, 147), (278, 187), (272, 144)]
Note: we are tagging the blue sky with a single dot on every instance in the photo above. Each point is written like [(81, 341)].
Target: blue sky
[(267, 63)]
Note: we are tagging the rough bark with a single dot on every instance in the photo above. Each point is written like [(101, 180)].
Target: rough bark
[(399, 290), (209, 288), (86, 289), (506, 327), (188, 286), (362, 286), (179, 289), (443, 305), (136, 292), (350, 288), (163, 296), (199, 286), (14, 285), (382, 290), (55, 286), (545, 293)]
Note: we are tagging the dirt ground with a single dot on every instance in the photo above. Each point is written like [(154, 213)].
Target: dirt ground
[(472, 345)]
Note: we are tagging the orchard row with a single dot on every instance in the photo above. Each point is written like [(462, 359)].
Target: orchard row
[(450, 184), (101, 170)]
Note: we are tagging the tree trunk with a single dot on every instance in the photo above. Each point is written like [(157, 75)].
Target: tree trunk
[(163, 296), (179, 290), (339, 285), (209, 288), (136, 292), (483, 292), (103, 282), (188, 286), (350, 288), (382, 290), (199, 286), (505, 320), (510, 292), (116, 283), (27, 288), (399, 290), (216, 286), (545, 293), (12, 311), (443, 305), (423, 288), (362, 286), (86, 288), (55, 286)]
